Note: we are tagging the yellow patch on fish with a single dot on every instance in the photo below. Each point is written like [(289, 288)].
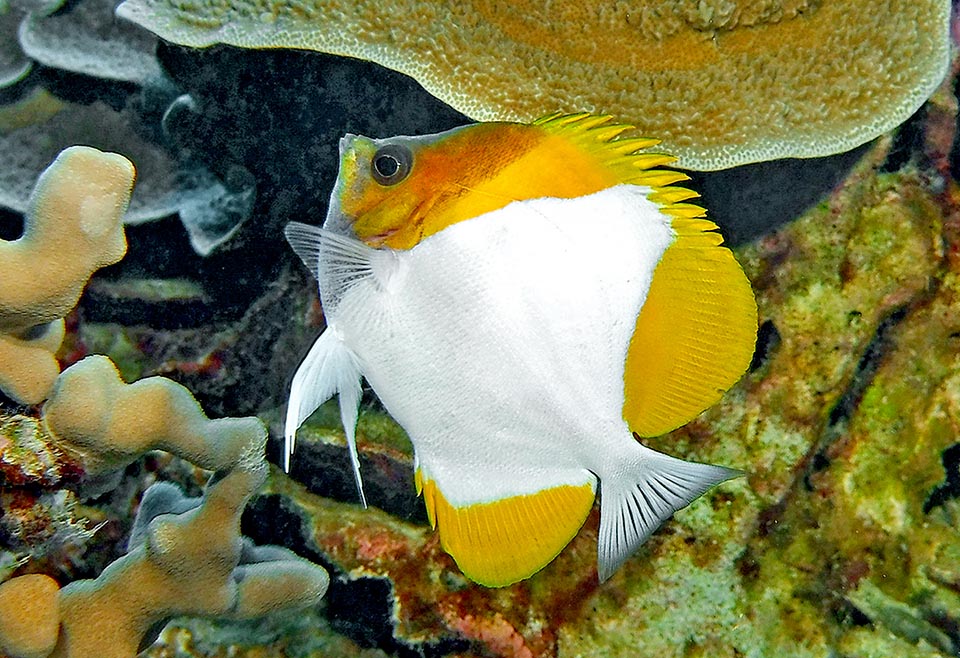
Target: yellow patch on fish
[(525, 299)]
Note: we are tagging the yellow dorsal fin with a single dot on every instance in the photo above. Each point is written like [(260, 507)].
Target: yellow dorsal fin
[(601, 138), (506, 540), (479, 168), (695, 334)]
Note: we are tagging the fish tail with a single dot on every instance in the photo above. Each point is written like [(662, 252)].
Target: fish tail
[(635, 503)]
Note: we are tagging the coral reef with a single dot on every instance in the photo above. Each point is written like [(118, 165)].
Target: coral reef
[(841, 539), (721, 83), (185, 555)]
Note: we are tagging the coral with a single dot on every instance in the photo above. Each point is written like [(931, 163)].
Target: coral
[(189, 563), (14, 65), (27, 362), (110, 424), (185, 556), (29, 616), (73, 226), (35, 129), (85, 38), (720, 82), (82, 37)]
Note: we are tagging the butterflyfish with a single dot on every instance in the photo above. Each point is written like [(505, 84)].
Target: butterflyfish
[(527, 301)]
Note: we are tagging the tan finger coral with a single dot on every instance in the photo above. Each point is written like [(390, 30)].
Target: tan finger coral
[(185, 556), (721, 82), (28, 366), (29, 616), (111, 423), (185, 566), (73, 226)]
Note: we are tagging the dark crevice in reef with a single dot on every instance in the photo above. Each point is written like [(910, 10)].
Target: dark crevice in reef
[(817, 458), (954, 157), (768, 340), (950, 489), (907, 141), (324, 470), (361, 609), (867, 367)]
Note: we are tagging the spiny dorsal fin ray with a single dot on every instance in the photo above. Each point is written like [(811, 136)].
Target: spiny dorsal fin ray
[(625, 158)]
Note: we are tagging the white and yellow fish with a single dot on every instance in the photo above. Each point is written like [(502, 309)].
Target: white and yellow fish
[(525, 300)]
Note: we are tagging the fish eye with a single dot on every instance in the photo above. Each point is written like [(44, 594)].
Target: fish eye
[(391, 164)]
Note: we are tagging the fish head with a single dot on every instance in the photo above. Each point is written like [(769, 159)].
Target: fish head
[(395, 192)]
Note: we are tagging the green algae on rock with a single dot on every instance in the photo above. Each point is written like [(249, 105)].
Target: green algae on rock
[(862, 388), (721, 83)]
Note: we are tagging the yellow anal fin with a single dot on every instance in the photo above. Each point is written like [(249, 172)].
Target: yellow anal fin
[(695, 334), (504, 541)]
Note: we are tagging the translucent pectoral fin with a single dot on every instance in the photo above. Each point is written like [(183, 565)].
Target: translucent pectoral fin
[(505, 540), (329, 368), (305, 240)]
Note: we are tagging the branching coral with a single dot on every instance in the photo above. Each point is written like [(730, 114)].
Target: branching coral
[(74, 225), (185, 556), (111, 423), (721, 82)]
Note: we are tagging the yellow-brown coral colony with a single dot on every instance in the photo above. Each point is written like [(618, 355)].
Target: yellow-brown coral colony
[(721, 82)]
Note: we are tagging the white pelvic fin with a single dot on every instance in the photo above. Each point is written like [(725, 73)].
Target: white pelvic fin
[(329, 368), (633, 505), (305, 240)]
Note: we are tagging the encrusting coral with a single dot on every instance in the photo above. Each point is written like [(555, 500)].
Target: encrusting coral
[(185, 556), (721, 82), (73, 226)]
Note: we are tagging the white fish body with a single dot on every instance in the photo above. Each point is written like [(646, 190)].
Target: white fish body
[(499, 345)]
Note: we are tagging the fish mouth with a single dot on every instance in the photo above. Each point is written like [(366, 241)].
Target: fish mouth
[(347, 224), (379, 239)]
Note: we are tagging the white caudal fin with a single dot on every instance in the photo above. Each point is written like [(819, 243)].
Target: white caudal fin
[(633, 505), (329, 368)]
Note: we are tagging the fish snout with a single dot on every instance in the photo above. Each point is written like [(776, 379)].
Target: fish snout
[(346, 143)]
